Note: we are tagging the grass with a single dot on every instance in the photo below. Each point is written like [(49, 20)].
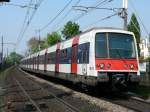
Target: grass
[(142, 91), (3, 74), (1, 92)]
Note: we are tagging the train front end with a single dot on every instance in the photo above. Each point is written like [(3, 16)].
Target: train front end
[(116, 58)]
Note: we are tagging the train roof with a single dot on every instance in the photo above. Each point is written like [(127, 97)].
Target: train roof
[(106, 29), (101, 29)]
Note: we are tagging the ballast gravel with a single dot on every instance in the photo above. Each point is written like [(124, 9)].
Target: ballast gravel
[(108, 106)]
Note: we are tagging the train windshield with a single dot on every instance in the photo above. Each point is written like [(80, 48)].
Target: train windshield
[(115, 45)]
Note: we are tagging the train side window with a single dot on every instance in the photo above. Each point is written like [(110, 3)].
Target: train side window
[(83, 53), (43, 59), (63, 56), (52, 58), (69, 54), (100, 45), (48, 58)]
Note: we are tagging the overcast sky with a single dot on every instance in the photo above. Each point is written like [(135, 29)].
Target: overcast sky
[(12, 18)]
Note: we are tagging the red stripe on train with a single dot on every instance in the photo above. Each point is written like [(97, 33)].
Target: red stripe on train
[(45, 63), (116, 64), (57, 57), (74, 55)]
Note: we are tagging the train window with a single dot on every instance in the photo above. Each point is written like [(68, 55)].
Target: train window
[(48, 58), (45, 58), (121, 46), (51, 58), (57, 56), (63, 56), (40, 61), (83, 53), (101, 45), (69, 55)]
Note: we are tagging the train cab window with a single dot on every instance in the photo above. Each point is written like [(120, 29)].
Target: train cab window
[(101, 45), (121, 46)]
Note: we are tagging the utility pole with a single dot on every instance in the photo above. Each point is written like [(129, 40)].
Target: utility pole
[(125, 13), (2, 51), (7, 53), (39, 40)]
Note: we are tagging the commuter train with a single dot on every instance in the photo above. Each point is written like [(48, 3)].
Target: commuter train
[(94, 57)]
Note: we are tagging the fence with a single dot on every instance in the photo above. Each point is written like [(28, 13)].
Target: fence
[(145, 73)]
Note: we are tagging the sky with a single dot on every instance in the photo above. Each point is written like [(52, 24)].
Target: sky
[(12, 18)]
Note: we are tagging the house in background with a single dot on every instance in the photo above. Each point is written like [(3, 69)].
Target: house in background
[(144, 47), (144, 66)]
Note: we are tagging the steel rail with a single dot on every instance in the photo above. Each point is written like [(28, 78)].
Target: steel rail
[(52, 94), (129, 102), (24, 91), (120, 101)]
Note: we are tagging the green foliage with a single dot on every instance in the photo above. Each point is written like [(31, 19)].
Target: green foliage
[(141, 91), (33, 44), (53, 38), (70, 29), (43, 44), (12, 59), (134, 27)]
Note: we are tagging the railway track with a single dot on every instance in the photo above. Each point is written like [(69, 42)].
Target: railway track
[(128, 101), (26, 94), (69, 107), (131, 103)]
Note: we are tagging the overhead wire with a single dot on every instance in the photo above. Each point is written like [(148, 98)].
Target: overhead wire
[(97, 4), (68, 12), (136, 13), (24, 22), (25, 27), (58, 14), (102, 19), (135, 26)]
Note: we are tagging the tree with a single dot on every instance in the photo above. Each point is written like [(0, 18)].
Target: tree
[(33, 44), (13, 58), (134, 27), (70, 29), (43, 44), (53, 38)]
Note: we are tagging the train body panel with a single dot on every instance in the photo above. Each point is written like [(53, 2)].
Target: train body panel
[(94, 56)]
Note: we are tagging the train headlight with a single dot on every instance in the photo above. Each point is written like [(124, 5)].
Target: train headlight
[(102, 65), (125, 66), (132, 66), (109, 65)]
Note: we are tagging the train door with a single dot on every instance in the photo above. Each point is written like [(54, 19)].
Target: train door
[(38, 60), (85, 58), (74, 59), (45, 61), (57, 56), (33, 63), (57, 60)]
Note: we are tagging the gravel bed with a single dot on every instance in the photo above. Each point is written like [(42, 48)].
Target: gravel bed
[(16, 100), (104, 105)]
